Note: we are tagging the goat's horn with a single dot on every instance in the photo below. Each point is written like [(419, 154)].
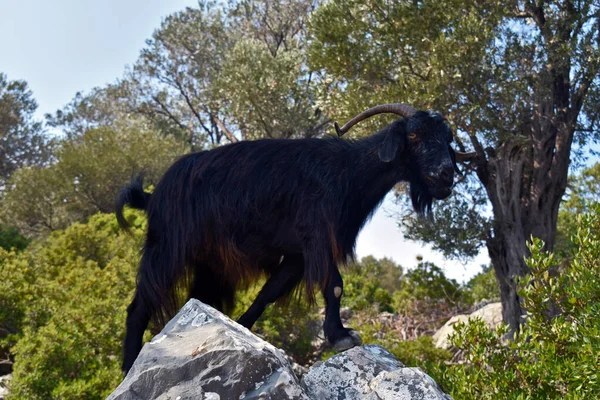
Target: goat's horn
[(394, 108), (461, 157)]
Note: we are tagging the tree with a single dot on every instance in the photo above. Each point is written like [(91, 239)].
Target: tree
[(43, 199), (484, 285), (22, 140), (226, 73), (518, 80), (425, 289)]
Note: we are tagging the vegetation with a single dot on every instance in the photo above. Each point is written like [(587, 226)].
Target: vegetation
[(63, 302), (555, 355), (42, 199), (22, 140)]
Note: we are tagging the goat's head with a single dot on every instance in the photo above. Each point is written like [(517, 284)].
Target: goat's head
[(425, 139)]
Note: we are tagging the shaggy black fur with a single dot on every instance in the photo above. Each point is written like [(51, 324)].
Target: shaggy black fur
[(220, 219)]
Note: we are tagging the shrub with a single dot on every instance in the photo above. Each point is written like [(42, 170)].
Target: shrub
[(425, 289), (64, 301), (10, 238), (556, 354), (370, 282), (483, 286)]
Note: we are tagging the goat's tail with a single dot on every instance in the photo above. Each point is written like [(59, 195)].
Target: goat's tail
[(134, 196)]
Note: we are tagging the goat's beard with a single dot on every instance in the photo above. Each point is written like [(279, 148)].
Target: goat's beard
[(421, 198)]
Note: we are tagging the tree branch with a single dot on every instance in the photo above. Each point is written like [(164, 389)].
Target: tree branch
[(226, 131), (166, 111)]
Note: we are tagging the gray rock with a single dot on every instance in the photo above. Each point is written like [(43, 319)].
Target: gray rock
[(4, 381), (202, 354), (491, 314), (368, 373)]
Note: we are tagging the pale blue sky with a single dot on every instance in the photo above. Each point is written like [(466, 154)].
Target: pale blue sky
[(64, 46)]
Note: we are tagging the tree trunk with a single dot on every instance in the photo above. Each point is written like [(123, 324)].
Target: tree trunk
[(525, 181)]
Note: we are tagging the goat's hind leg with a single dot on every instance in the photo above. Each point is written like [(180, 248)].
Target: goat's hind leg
[(137, 322), (282, 281)]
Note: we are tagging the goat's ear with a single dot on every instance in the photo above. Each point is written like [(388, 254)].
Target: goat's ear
[(394, 138)]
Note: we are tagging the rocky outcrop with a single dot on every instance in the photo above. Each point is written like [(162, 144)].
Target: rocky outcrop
[(368, 372), (4, 380), (202, 354), (491, 314)]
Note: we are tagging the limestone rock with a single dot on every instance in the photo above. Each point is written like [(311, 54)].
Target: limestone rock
[(491, 314), (4, 380), (368, 372), (202, 354)]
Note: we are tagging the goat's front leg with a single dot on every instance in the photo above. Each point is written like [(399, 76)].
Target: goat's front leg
[(339, 337)]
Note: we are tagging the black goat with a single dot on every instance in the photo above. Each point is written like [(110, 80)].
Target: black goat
[(288, 209)]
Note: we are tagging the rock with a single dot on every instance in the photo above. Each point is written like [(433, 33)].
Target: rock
[(345, 313), (441, 338), (202, 354), (368, 372), (4, 380), (491, 314)]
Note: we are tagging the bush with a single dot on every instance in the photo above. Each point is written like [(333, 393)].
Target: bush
[(64, 302), (370, 282), (556, 354), (483, 286), (10, 238), (425, 289)]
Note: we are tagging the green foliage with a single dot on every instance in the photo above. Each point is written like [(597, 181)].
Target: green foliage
[(483, 286), (10, 238), (272, 106), (582, 193), (371, 282), (63, 300), (426, 288), (22, 141), (555, 356), (89, 172)]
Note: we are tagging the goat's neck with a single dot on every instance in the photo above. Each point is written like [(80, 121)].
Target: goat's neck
[(372, 180), (375, 178)]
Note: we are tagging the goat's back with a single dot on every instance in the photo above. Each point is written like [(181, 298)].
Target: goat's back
[(248, 202)]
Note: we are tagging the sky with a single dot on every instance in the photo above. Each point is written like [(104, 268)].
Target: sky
[(64, 46)]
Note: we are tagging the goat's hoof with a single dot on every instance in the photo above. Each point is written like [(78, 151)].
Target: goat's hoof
[(347, 342)]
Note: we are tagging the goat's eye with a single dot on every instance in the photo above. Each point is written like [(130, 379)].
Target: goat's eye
[(412, 136)]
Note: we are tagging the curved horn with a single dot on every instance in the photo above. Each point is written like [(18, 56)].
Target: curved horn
[(394, 108), (462, 157)]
